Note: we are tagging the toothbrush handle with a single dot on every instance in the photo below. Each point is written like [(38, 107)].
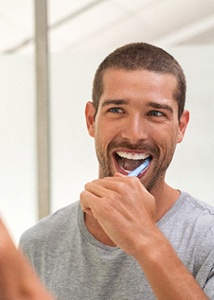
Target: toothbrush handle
[(141, 168)]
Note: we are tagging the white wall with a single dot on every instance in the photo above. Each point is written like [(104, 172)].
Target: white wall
[(17, 143), (72, 151), (193, 166)]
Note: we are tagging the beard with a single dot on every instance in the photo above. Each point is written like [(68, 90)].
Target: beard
[(160, 165)]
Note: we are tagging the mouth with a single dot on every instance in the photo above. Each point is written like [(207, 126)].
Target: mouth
[(128, 161)]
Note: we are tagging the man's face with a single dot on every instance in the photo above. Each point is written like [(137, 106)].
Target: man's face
[(137, 117)]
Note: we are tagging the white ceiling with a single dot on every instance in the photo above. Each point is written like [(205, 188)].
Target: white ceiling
[(88, 24)]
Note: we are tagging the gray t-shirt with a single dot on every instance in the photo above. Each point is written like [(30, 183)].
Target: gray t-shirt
[(74, 265)]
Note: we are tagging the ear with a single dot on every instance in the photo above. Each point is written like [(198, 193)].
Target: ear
[(184, 120), (90, 117)]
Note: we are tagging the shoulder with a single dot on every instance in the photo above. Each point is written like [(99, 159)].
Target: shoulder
[(198, 215), (195, 206), (190, 218), (51, 227)]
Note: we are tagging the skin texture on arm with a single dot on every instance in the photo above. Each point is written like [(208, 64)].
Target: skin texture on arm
[(116, 203), (17, 278)]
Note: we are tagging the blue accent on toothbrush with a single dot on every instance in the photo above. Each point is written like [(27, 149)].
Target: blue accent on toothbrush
[(141, 168)]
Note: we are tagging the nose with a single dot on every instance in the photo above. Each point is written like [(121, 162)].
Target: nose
[(135, 129)]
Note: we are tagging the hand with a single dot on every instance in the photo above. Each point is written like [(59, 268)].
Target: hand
[(17, 279), (127, 213), (123, 207)]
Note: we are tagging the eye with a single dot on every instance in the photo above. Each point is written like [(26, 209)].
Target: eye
[(115, 110), (155, 113)]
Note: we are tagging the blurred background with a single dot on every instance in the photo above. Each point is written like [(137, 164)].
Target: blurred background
[(49, 52)]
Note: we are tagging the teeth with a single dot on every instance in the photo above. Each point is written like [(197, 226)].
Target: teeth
[(133, 156)]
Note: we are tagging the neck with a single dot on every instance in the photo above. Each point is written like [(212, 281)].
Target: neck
[(165, 198)]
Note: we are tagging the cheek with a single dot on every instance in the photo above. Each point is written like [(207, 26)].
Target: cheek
[(166, 141), (105, 131)]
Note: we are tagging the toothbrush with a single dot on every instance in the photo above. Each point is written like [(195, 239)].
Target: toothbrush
[(141, 168)]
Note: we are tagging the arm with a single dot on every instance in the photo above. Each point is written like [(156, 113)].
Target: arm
[(17, 279), (116, 203), (167, 275)]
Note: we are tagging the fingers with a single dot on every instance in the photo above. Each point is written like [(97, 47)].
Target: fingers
[(84, 203), (101, 195), (93, 198), (97, 188), (117, 183)]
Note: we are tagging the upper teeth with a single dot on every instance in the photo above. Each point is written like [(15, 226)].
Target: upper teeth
[(134, 156)]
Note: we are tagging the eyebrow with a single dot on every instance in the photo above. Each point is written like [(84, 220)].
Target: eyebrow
[(114, 101), (158, 105)]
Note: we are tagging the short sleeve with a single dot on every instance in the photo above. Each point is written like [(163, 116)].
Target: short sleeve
[(209, 285)]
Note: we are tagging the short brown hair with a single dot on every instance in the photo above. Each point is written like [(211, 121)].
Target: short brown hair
[(138, 56)]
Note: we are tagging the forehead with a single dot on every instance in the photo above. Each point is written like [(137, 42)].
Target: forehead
[(150, 78), (120, 83)]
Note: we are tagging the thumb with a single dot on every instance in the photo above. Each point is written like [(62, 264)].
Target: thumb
[(117, 174)]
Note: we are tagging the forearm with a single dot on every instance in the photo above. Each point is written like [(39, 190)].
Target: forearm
[(17, 278), (28, 286), (165, 272)]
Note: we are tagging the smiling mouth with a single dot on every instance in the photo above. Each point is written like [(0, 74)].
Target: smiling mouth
[(128, 161)]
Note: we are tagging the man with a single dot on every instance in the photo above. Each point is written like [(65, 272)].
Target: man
[(130, 237)]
